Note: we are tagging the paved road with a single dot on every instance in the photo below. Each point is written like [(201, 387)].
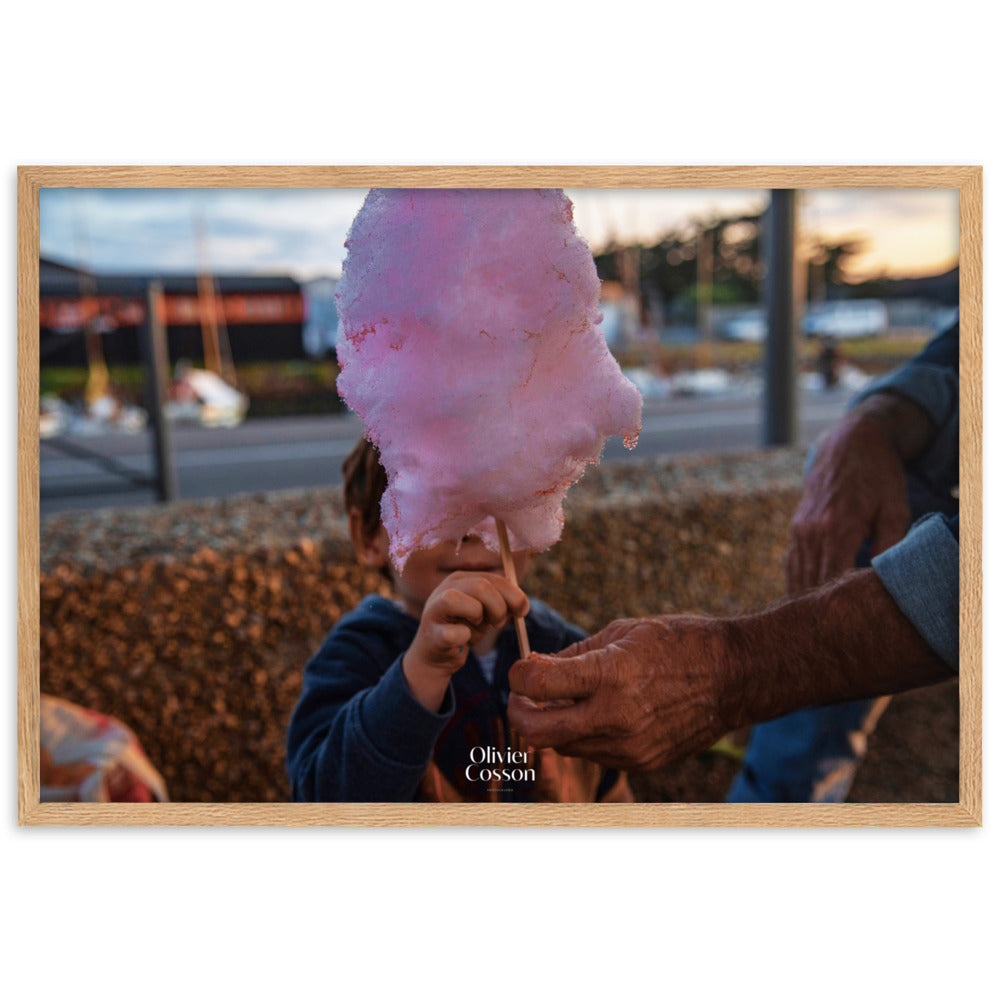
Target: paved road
[(293, 452)]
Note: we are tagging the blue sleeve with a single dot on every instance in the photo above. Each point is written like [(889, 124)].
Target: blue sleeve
[(931, 381), (921, 574), (942, 350), (357, 734)]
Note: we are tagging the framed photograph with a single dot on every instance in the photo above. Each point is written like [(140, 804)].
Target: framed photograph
[(227, 614)]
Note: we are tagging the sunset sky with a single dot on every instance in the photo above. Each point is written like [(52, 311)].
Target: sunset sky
[(907, 232)]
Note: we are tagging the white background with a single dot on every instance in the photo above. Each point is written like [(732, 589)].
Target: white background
[(824, 913)]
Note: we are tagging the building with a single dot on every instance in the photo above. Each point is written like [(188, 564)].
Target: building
[(262, 315)]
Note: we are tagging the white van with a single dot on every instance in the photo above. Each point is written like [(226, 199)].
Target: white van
[(851, 318)]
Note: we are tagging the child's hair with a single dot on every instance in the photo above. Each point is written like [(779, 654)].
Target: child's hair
[(364, 483)]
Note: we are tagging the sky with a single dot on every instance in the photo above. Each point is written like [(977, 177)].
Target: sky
[(906, 232)]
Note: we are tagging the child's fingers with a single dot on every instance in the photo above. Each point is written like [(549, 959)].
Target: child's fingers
[(494, 593), (515, 598), (455, 603), (464, 608), (452, 635), (497, 594), (480, 599)]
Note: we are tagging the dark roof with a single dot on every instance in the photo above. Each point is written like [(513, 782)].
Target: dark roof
[(48, 268), (937, 287), (66, 282)]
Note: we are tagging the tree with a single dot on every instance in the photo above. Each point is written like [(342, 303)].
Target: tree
[(668, 269), (826, 263)]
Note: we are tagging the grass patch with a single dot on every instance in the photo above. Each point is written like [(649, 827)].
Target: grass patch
[(872, 354), (310, 386)]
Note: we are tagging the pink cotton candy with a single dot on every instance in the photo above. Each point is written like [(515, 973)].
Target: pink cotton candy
[(470, 349)]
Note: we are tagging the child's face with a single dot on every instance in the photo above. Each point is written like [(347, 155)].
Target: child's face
[(427, 569)]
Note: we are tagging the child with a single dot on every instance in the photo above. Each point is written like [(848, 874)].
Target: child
[(406, 700)]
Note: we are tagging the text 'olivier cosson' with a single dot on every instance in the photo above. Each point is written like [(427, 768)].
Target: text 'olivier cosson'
[(480, 756)]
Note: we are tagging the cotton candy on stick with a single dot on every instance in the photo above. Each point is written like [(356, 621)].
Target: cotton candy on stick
[(470, 348)]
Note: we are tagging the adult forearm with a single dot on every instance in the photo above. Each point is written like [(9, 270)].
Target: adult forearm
[(644, 692), (841, 642)]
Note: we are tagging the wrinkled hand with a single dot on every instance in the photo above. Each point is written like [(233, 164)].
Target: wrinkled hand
[(644, 692), (855, 490)]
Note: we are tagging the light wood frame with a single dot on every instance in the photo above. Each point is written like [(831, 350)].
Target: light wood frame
[(966, 812)]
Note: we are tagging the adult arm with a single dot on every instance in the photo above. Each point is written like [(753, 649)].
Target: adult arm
[(649, 691), (855, 489)]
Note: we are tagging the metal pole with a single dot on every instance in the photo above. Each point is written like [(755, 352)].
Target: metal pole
[(781, 298), (704, 267), (153, 340)]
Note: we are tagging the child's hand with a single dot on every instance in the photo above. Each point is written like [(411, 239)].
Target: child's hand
[(463, 609)]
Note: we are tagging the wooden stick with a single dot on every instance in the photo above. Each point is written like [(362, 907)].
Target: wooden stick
[(520, 743), (511, 574)]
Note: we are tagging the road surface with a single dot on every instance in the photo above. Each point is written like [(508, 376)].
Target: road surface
[(296, 452)]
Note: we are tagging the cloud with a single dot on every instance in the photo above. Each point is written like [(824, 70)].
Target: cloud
[(906, 231), (137, 230), (605, 214), (302, 231)]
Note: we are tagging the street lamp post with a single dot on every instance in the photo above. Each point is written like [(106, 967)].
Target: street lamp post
[(781, 296)]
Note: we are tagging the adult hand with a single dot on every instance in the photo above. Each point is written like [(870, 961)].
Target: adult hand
[(856, 490), (643, 692), (646, 692)]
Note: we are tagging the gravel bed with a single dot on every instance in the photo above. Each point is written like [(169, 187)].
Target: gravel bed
[(113, 537), (191, 622)]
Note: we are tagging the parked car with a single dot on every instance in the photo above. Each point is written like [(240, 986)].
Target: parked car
[(749, 326), (850, 318)]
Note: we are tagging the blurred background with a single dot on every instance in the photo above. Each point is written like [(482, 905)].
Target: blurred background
[(193, 543), (248, 277)]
